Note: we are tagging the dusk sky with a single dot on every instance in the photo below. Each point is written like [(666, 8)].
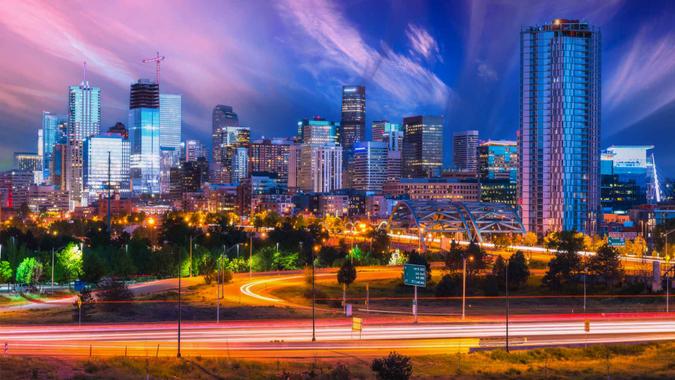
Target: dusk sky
[(276, 62)]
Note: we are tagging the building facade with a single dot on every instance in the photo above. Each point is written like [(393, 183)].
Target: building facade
[(559, 134), (144, 132), (106, 166), (192, 150), (353, 121), (464, 150), (369, 172), (435, 188), (422, 153), (170, 121), (54, 129), (270, 155), (320, 168)]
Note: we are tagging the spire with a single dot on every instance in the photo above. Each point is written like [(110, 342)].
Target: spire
[(84, 75)]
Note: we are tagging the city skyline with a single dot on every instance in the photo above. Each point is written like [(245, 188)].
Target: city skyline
[(424, 66)]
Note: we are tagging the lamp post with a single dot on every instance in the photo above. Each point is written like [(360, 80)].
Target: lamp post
[(250, 255), (667, 278), (317, 248), (464, 285), (180, 275), (507, 303)]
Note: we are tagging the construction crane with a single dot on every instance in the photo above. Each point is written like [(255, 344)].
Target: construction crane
[(157, 59)]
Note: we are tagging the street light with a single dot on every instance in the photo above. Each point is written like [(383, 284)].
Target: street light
[(180, 275), (317, 248), (667, 278), (464, 284), (507, 303)]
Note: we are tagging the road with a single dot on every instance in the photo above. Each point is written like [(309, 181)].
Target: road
[(335, 338)]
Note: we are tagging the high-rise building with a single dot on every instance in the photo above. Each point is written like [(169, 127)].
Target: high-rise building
[(192, 150), (559, 134), (170, 120), (390, 133), (106, 165), (194, 174), (464, 150), (14, 185), (318, 131), (369, 171), (270, 155), (27, 161), (84, 120), (230, 146), (53, 132), (353, 122), (320, 168), (422, 153), (498, 160), (498, 171), (144, 135)]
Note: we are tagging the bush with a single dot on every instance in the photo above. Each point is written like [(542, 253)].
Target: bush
[(393, 367), (450, 285)]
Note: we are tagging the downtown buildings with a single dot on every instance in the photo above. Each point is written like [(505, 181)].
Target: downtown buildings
[(422, 152), (559, 134), (144, 138)]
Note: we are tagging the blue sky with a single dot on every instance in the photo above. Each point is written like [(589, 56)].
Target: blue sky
[(277, 62)]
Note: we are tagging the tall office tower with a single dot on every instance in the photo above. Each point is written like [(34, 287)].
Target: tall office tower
[(320, 168), (194, 174), (464, 150), (192, 150), (58, 166), (106, 164), (14, 186), (271, 155), (498, 171), (170, 120), (294, 167), (230, 146), (559, 134), (144, 137), (168, 158), (422, 153), (369, 165), (84, 120), (353, 122), (120, 130), (318, 131), (53, 132)]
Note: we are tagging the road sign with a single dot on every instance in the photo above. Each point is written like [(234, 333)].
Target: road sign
[(415, 275), (587, 325), (616, 241), (357, 324)]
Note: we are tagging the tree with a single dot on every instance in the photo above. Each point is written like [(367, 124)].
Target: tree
[(449, 285), (566, 264), (453, 258), (5, 271), (499, 272), (379, 244), (530, 239), (29, 271), (93, 267), (477, 261), (393, 367), (606, 266), (518, 271), (346, 276), (68, 263)]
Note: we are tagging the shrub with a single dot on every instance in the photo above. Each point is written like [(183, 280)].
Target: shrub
[(111, 291), (449, 285), (393, 367)]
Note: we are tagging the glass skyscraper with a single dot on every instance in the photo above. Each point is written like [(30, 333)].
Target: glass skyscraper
[(559, 134), (370, 165), (96, 176), (84, 120), (170, 118), (53, 132), (144, 137), (353, 123), (464, 150), (422, 151)]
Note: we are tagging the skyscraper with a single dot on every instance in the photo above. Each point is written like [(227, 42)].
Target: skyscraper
[(270, 155), (353, 122), (84, 120), (144, 137), (318, 131), (464, 153), (320, 168), (53, 132), (192, 150), (369, 165), (559, 134), (170, 120), (97, 178), (498, 171), (230, 146), (422, 153)]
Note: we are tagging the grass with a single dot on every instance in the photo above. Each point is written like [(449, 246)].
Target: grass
[(643, 361)]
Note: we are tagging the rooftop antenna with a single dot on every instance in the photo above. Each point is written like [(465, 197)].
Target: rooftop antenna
[(157, 59), (84, 74)]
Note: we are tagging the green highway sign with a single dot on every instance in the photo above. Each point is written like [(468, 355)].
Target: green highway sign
[(415, 275), (616, 241)]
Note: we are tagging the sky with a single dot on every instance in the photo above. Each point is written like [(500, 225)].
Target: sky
[(277, 62)]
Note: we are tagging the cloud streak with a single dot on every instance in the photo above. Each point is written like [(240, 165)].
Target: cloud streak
[(423, 43)]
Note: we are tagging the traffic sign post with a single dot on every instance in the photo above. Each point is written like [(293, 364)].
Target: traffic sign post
[(415, 275), (357, 325)]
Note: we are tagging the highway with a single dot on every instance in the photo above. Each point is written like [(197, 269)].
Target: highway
[(335, 338)]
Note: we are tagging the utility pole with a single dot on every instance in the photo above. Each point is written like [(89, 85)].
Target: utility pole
[(180, 316), (507, 304), (190, 255), (52, 290), (250, 256), (109, 185), (463, 287)]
